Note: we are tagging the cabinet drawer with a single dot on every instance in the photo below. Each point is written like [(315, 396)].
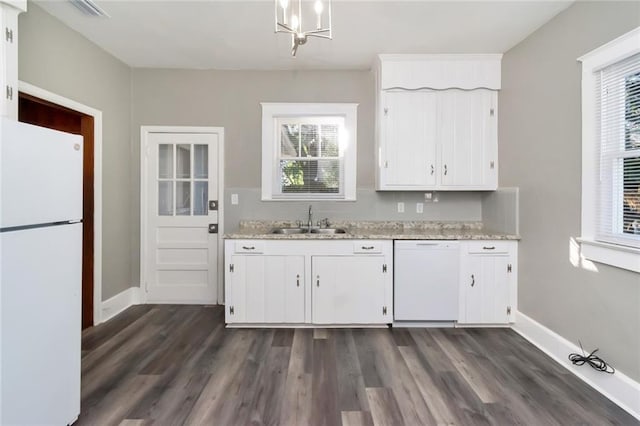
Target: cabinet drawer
[(489, 247), (249, 247), (367, 247)]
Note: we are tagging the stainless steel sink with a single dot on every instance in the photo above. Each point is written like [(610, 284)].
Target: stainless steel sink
[(295, 231), (289, 231), (328, 231)]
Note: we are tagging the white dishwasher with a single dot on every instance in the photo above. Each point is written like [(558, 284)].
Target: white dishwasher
[(426, 280)]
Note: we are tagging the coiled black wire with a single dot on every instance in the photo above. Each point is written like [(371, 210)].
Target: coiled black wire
[(594, 361)]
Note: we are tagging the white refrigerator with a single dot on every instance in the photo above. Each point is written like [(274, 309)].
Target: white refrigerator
[(40, 275)]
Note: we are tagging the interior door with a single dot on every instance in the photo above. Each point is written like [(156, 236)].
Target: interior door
[(42, 113), (181, 236)]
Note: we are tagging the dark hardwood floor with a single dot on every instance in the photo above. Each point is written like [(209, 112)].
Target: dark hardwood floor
[(172, 365)]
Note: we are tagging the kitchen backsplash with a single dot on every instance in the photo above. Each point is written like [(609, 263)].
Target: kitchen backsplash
[(370, 205)]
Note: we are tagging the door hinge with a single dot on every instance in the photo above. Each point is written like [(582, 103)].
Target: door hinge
[(384, 310), (492, 165), (508, 310), (384, 267), (231, 268), (231, 312), (9, 92), (509, 268), (8, 34), (386, 111), (386, 164), (492, 112)]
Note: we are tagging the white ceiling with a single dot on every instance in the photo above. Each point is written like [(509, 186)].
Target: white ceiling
[(239, 34)]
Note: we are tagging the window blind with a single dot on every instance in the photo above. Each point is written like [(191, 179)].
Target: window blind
[(618, 130), (309, 157)]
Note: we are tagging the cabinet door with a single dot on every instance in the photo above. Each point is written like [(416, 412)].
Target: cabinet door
[(265, 289), (468, 139), (9, 61), (485, 289), (408, 141), (284, 289), (349, 290)]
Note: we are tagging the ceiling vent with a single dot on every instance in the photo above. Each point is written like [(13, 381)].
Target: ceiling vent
[(88, 7)]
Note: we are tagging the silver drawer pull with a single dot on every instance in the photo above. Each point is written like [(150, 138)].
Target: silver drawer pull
[(298, 280), (473, 280), (318, 281), (489, 248), (367, 247), (248, 248)]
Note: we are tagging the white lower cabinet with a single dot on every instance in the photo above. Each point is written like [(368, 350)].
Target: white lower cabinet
[(338, 282), (488, 290), (349, 290), (266, 289)]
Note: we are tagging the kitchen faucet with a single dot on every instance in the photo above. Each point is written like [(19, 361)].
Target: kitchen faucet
[(310, 219)]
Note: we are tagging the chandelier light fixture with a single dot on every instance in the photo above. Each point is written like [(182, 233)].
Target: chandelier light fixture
[(289, 18)]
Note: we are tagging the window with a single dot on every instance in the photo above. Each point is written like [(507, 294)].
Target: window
[(308, 151), (611, 153)]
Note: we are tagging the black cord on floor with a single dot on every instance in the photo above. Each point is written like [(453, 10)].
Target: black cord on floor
[(594, 361)]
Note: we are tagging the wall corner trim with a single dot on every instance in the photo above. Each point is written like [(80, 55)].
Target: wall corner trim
[(619, 388), (118, 303)]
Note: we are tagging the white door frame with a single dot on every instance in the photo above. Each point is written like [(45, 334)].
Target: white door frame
[(32, 90), (144, 147)]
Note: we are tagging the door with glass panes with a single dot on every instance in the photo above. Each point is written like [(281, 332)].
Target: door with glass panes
[(181, 235)]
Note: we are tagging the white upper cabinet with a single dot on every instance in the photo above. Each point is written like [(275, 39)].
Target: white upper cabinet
[(468, 139), (9, 11), (410, 154), (436, 126)]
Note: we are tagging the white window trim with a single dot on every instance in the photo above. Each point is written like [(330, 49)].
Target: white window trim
[(615, 255), (273, 111)]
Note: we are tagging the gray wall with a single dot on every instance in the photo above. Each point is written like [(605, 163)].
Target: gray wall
[(540, 152), (231, 99), (56, 58)]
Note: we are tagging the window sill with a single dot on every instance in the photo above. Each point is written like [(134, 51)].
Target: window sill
[(611, 254)]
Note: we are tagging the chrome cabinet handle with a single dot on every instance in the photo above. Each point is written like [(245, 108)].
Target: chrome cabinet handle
[(367, 247), (432, 170), (298, 280), (445, 169), (318, 281), (489, 248), (473, 280), (248, 248)]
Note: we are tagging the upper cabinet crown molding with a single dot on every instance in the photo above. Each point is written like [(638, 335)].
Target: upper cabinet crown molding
[(439, 71)]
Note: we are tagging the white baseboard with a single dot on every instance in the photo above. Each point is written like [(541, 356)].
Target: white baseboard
[(118, 303), (621, 389)]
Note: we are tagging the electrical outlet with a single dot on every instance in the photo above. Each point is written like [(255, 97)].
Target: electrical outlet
[(428, 197), (419, 207), (400, 207), (234, 199)]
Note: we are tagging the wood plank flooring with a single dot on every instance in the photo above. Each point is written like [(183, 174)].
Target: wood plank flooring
[(175, 365)]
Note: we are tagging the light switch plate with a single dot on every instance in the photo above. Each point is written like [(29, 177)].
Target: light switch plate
[(400, 207), (234, 199), (419, 207)]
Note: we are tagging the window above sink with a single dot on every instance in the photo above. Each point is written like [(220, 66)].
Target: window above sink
[(309, 151)]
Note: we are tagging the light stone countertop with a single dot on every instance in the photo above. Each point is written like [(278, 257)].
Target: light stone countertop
[(373, 230)]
